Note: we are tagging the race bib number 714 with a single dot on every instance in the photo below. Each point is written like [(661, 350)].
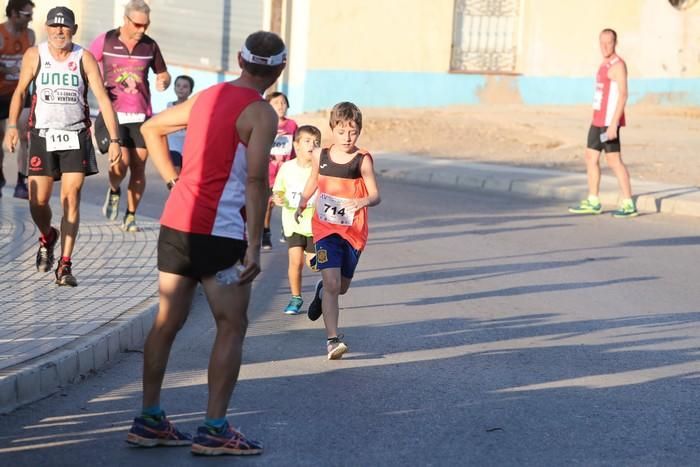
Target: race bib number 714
[(330, 209)]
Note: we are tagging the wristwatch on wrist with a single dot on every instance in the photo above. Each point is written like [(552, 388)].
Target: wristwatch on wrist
[(172, 183), (115, 140)]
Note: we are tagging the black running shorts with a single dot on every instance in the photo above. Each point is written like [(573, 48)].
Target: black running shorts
[(594, 140), (129, 133), (54, 163), (197, 255)]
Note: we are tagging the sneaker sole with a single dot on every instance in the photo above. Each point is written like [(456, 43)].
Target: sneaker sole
[(61, 283), (625, 216), (338, 352), (199, 450), (110, 214), (137, 440), (315, 307), (290, 312), (585, 212)]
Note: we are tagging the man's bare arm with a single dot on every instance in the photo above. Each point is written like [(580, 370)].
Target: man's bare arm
[(155, 132)]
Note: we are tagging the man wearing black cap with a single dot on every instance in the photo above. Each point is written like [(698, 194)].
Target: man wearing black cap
[(15, 38), (60, 146), (211, 230)]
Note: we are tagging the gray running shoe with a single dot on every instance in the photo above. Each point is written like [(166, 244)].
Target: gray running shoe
[(129, 224), (64, 276), (111, 207), (336, 347)]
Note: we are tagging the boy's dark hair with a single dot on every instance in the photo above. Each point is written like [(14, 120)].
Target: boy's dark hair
[(17, 5), (309, 130), (611, 31), (346, 112), (264, 44), (188, 79), (272, 95)]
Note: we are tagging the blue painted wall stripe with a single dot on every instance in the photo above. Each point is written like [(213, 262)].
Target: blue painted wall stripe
[(324, 88)]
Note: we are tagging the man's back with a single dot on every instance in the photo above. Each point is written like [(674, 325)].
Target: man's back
[(210, 194)]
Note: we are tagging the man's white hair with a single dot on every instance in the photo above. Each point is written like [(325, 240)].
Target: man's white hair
[(136, 5)]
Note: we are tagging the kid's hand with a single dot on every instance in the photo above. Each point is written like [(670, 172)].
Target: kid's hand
[(298, 213), (355, 204), (278, 199)]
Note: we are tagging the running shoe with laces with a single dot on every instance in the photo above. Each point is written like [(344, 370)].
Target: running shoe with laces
[(129, 224), (586, 207), (294, 305), (21, 191), (150, 432), (315, 308), (626, 210), (267, 240), (44, 257), (110, 209), (227, 441), (64, 274), (336, 347)]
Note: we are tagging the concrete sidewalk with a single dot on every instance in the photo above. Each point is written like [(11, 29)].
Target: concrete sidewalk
[(51, 336), (569, 187)]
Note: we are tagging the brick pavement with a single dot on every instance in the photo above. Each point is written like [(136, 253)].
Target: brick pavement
[(43, 324)]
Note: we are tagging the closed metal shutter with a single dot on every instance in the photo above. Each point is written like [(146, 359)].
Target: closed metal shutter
[(204, 34)]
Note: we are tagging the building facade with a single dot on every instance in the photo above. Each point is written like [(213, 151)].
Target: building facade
[(418, 53)]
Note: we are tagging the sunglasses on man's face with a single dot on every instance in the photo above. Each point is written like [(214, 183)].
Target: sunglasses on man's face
[(25, 14), (139, 25)]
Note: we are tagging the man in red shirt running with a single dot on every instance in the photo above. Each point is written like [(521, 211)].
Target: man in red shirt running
[(211, 231)]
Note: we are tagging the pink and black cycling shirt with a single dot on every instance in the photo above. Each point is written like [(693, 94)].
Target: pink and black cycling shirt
[(126, 72)]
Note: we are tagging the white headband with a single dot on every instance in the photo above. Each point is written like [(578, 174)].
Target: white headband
[(274, 60)]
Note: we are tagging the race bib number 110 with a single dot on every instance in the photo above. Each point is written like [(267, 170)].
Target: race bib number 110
[(61, 140)]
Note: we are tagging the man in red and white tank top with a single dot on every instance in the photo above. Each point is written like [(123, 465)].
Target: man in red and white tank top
[(211, 229), (609, 101)]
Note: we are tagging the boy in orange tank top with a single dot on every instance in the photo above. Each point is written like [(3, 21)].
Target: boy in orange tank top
[(344, 176)]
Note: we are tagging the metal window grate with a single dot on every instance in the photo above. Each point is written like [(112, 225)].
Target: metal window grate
[(485, 36)]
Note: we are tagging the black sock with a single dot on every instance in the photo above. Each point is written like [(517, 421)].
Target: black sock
[(266, 230), (117, 192), (128, 213), (21, 179)]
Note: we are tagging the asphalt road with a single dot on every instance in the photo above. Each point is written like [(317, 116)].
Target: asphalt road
[(483, 330)]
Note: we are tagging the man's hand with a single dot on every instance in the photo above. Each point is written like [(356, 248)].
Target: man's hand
[(612, 132), (115, 153), (11, 139), (252, 265), (162, 81)]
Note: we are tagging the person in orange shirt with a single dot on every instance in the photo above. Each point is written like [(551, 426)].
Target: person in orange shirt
[(344, 176), (15, 38)]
